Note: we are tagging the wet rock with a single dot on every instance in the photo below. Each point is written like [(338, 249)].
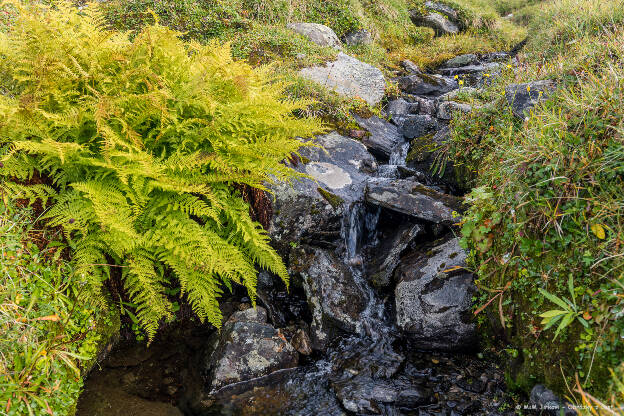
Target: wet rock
[(360, 37), (301, 342), (419, 125), (385, 257), (549, 403), (247, 349), (426, 84), (335, 299), (523, 97), (433, 298), (399, 109), (425, 106), (461, 60), (447, 108), (317, 33), (440, 25), (412, 198), (349, 77), (310, 211), (384, 137)]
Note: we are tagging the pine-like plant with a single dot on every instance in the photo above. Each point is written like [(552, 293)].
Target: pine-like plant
[(136, 145)]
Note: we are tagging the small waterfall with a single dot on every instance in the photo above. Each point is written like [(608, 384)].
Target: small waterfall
[(397, 158), (359, 231)]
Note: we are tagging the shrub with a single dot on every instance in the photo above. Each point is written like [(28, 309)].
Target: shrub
[(138, 145), (545, 227), (47, 334)]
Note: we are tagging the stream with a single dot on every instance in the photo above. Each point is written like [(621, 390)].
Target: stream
[(366, 364)]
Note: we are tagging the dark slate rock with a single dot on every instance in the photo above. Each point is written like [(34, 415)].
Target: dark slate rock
[(426, 84), (301, 342), (246, 350), (433, 299), (399, 109), (549, 403), (523, 97), (384, 137), (491, 67), (334, 298), (418, 126), (412, 198), (446, 10), (386, 256), (495, 57)]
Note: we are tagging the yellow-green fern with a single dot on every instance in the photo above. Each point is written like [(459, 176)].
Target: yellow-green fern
[(141, 142)]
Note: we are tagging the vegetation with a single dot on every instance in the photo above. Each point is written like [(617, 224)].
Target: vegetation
[(138, 147), (546, 220), (48, 336)]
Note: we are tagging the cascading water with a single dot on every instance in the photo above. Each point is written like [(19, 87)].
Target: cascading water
[(397, 158)]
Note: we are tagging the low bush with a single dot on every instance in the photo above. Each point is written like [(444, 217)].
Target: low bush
[(545, 226), (49, 337), (139, 147)]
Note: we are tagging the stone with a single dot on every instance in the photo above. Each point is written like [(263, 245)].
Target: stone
[(316, 33), (257, 314), (433, 298), (440, 24), (461, 60), (384, 137), (426, 84), (446, 10), (301, 342), (386, 255), (523, 97), (349, 77), (549, 403), (310, 210), (491, 67), (412, 198), (447, 108), (360, 37), (410, 67), (399, 109), (334, 298), (248, 349), (419, 125), (495, 57), (425, 106)]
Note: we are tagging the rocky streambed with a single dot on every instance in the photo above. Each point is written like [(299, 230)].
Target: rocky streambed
[(377, 320)]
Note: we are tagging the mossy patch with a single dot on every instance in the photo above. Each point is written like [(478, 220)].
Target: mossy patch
[(333, 199)]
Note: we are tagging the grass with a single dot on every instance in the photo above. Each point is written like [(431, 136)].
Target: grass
[(547, 209), (48, 338)]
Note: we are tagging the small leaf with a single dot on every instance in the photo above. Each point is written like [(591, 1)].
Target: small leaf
[(550, 314), (54, 318), (599, 231)]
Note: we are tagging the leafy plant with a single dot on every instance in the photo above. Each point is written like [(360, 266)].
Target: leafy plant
[(138, 146), (566, 315)]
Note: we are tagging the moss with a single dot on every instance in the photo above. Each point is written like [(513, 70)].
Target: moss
[(420, 149), (333, 199)]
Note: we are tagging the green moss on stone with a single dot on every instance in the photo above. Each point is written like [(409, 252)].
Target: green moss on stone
[(333, 199)]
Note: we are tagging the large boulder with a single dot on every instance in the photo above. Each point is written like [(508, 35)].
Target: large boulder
[(523, 97), (384, 137), (349, 77), (413, 198), (426, 84), (461, 60), (317, 33), (334, 298), (310, 210), (444, 9), (433, 298), (247, 348), (440, 24)]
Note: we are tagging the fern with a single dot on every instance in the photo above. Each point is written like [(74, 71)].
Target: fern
[(142, 142)]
